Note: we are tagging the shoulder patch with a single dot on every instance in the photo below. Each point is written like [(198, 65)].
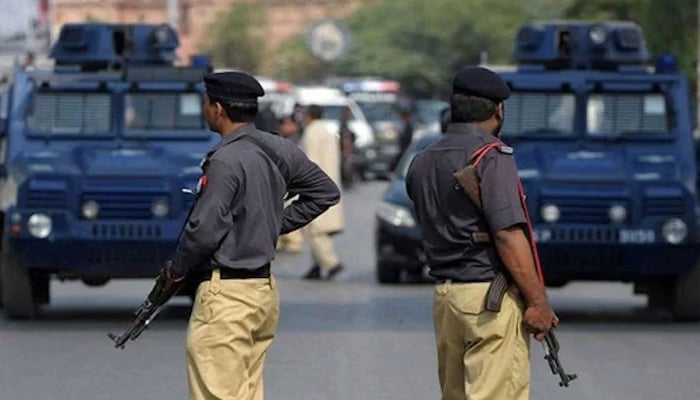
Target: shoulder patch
[(201, 184), (505, 149)]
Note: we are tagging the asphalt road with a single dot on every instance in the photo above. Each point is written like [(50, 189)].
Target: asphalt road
[(345, 340)]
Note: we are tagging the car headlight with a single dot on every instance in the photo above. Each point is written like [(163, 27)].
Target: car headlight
[(598, 35), (90, 209), (617, 213), (674, 231), (395, 215), (160, 208), (550, 213), (39, 226)]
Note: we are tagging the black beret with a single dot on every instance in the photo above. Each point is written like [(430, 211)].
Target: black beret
[(233, 86), (481, 82)]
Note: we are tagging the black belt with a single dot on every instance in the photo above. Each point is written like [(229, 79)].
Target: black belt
[(236, 273), (453, 280)]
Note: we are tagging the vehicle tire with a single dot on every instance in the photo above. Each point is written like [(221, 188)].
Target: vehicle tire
[(685, 304), (17, 293), (660, 295), (41, 288), (387, 273)]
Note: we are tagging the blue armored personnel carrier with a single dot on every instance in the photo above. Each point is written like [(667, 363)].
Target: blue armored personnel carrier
[(605, 149), (96, 154)]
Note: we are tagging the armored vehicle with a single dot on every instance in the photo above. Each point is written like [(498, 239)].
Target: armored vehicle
[(96, 153)]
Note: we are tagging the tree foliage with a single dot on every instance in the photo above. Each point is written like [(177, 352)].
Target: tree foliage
[(423, 44), (235, 40)]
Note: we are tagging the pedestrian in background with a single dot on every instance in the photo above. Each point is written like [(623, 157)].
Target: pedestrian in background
[(229, 240), (482, 353), (406, 134), (292, 242), (323, 148), (347, 147)]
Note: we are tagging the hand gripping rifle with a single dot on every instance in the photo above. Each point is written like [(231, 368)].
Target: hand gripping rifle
[(468, 180), (162, 291)]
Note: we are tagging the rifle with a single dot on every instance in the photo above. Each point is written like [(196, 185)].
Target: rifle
[(551, 349), (162, 291), (468, 180)]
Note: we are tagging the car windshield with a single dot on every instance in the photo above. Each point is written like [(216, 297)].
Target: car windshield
[(380, 111), (153, 112), (52, 113), (539, 113), (626, 114)]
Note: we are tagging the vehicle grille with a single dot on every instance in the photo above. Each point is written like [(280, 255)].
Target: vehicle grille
[(125, 200), (581, 235), (46, 199), (126, 231), (664, 206), (585, 210)]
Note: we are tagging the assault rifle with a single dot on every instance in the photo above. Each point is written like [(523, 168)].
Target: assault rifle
[(162, 291), (551, 349)]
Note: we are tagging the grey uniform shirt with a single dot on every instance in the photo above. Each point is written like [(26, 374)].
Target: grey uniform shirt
[(446, 215), (239, 211)]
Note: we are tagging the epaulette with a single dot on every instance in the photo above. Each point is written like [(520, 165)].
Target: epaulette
[(505, 149)]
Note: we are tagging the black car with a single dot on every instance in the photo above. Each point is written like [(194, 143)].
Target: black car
[(397, 236)]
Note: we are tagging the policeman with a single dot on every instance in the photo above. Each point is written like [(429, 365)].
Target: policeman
[(229, 240), (481, 354)]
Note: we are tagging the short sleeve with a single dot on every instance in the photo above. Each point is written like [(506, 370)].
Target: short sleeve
[(499, 191)]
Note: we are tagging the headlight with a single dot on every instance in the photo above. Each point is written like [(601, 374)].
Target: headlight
[(617, 213), (674, 231), (39, 226), (395, 215), (598, 35), (550, 213), (160, 208), (90, 209)]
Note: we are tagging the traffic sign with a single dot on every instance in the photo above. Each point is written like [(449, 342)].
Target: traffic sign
[(328, 40)]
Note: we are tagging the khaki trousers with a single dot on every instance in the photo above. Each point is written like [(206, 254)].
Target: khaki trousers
[(481, 355), (322, 249), (232, 325)]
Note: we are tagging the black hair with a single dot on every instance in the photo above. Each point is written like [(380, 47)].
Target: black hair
[(315, 111), (467, 108), (237, 111)]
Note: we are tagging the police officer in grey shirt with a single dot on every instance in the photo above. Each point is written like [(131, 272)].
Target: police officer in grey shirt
[(229, 239), (481, 353)]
